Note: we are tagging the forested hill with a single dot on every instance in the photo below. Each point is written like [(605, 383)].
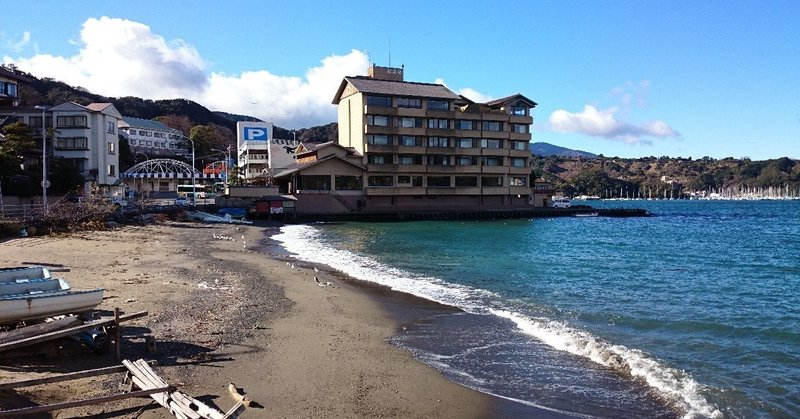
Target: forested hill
[(181, 114), (615, 177)]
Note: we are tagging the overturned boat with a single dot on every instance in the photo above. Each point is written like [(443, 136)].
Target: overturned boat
[(29, 298)]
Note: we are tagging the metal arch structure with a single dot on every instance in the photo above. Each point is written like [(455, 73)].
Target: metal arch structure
[(162, 168)]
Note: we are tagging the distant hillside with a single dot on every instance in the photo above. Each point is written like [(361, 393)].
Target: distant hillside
[(52, 92), (547, 149)]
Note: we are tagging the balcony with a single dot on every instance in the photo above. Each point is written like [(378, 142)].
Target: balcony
[(520, 119), (380, 148), (411, 168), (495, 170)]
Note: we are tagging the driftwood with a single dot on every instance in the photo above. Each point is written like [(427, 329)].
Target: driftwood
[(144, 382), (39, 329), (68, 331)]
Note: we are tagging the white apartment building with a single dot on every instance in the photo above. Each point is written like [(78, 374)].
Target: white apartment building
[(152, 139), (83, 136)]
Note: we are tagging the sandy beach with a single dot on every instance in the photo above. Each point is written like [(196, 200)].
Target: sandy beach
[(222, 309)]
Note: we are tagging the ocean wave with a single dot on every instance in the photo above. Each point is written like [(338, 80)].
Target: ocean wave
[(305, 243)]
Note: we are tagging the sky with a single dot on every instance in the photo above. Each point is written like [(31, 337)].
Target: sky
[(619, 78)]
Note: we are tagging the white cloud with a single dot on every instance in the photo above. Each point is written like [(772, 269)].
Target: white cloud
[(604, 123), (119, 57), (467, 92), (20, 44)]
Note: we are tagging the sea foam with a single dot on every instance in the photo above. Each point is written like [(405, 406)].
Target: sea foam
[(305, 243)]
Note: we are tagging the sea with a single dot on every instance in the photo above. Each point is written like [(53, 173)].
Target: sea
[(691, 312)]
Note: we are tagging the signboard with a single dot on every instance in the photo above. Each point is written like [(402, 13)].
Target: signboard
[(281, 153), (249, 132)]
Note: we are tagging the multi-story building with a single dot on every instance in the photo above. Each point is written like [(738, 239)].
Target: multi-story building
[(9, 92), (152, 139), (86, 136), (424, 146)]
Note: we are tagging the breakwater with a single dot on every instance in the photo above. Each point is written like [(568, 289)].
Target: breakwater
[(471, 215)]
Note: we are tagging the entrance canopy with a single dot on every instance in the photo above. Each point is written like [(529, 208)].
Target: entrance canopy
[(164, 169)]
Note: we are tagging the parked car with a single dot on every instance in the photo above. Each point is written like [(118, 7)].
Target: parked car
[(182, 201), (560, 203)]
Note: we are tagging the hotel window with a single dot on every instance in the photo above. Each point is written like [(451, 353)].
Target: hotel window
[(466, 181), (492, 126), (518, 162), (385, 101), (518, 181), (409, 141), (149, 143), (35, 122), (348, 183), (146, 133), (465, 142), (132, 142), (519, 128), (519, 110), (112, 171), (441, 105), (492, 160), (132, 132), (438, 181), (438, 123), (466, 160), (410, 122), (491, 143), (465, 125), (380, 181), (438, 142), (72, 143), (406, 159), (491, 181), (378, 140), (403, 102), (379, 159), (71, 121), (378, 120), (111, 127), (112, 148), (438, 160), (409, 180), (519, 145)]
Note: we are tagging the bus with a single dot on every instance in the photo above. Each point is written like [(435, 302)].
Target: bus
[(200, 190)]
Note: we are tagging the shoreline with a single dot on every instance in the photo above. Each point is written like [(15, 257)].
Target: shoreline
[(222, 312)]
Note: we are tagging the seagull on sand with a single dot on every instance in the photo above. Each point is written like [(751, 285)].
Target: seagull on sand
[(316, 270)]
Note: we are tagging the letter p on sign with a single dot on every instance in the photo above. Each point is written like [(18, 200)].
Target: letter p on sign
[(255, 134)]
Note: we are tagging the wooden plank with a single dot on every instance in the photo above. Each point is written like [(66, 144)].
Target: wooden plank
[(235, 411), (39, 329), (76, 403), (66, 332), (65, 377), (117, 333)]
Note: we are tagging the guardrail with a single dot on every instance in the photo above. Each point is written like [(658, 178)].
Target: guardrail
[(21, 212)]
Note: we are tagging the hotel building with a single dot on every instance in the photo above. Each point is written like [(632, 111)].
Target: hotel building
[(423, 147)]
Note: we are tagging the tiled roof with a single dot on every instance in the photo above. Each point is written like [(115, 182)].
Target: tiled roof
[(512, 98), (97, 107), (145, 123), (398, 88)]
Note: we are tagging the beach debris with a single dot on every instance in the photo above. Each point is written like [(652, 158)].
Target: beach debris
[(204, 285), (321, 284), (130, 300)]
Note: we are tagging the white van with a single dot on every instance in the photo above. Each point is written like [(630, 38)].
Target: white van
[(560, 203)]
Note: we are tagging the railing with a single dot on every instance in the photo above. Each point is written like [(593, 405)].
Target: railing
[(21, 212)]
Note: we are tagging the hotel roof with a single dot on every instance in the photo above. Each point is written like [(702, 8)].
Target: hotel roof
[(364, 84)]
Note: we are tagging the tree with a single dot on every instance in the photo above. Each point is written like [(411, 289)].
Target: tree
[(204, 139), (17, 142)]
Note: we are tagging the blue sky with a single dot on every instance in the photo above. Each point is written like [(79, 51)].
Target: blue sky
[(619, 78)]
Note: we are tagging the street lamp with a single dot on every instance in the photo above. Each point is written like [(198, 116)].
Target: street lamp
[(227, 165), (45, 182), (194, 185)]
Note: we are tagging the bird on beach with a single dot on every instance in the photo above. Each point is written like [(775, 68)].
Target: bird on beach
[(316, 279), (315, 269)]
